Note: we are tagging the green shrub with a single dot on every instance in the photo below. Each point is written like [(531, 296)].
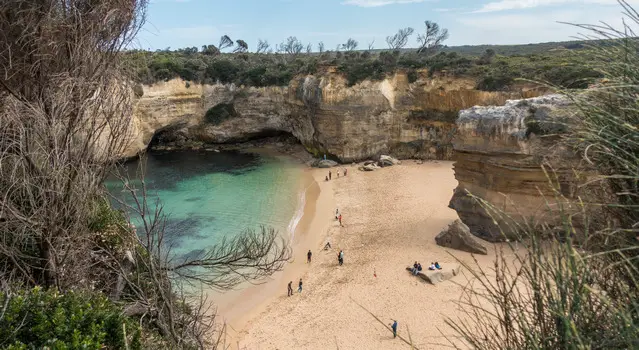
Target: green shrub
[(36, 319)]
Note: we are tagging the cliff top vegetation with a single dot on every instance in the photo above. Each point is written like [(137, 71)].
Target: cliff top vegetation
[(495, 67)]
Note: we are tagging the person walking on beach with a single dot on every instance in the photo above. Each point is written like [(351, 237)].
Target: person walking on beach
[(340, 257), (290, 288), (338, 173), (345, 171), (299, 289), (308, 256), (336, 214), (340, 220), (330, 175), (394, 327)]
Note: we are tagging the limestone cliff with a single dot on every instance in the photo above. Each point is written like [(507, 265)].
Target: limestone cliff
[(327, 116), (499, 152)]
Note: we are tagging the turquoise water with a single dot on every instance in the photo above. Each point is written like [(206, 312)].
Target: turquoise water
[(209, 195)]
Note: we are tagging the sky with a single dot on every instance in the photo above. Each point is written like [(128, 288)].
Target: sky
[(186, 23)]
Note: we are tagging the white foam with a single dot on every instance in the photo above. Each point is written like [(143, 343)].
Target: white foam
[(295, 220)]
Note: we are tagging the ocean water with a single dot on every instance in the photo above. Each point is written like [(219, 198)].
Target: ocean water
[(209, 195)]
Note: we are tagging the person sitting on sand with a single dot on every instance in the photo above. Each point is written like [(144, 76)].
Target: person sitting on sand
[(432, 266), (327, 246), (326, 178), (414, 269), (437, 266), (419, 267)]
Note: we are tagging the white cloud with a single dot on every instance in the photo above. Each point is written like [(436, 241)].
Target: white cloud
[(376, 3), (521, 28), (504, 5)]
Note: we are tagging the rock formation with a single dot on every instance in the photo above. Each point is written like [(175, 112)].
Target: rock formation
[(437, 276), (393, 116), (458, 236), (499, 152)]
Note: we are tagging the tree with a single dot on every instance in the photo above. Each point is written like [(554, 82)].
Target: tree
[(400, 39), (350, 45), (320, 47), (64, 119), (371, 45), (262, 46), (309, 49), (487, 56), (225, 42), (291, 46), (431, 41), (241, 46), (210, 50)]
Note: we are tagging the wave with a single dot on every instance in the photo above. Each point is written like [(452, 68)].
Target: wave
[(299, 212)]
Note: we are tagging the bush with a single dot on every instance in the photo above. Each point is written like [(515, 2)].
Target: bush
[(37, 319)]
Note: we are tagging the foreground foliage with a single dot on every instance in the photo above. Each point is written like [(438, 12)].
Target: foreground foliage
[(37, 318), (579, 289)]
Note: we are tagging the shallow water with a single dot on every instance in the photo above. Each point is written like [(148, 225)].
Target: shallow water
[(209, 195)]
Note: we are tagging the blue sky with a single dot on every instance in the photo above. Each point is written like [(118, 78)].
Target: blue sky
[(185, 23)]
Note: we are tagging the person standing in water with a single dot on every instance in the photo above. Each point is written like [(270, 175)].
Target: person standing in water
[(308, 256), (394, 327), (290, 288), (299, 288)]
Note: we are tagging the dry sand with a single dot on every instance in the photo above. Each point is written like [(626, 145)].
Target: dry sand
[(391, 217)]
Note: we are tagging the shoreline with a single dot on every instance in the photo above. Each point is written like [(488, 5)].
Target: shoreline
[(238, 308), (391, 217)]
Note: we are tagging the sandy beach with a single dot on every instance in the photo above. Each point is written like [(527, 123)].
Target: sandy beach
[(391, 217)]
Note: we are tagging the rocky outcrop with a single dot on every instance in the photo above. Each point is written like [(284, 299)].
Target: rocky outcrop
[(438, 276), (498, 154), (393, 116), (385, 160), (458, 236), (324, 163)]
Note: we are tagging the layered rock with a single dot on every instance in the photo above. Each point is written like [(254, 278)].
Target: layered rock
[(499, 153), (393, 116), (458, 236)]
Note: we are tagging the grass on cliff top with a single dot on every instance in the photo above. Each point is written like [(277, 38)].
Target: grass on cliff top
[(574, 285)]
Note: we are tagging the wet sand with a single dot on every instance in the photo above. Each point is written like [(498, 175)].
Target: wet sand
[(391, 217), (236, 308)]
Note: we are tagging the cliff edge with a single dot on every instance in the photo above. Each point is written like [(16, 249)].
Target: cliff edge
[(349, 123)]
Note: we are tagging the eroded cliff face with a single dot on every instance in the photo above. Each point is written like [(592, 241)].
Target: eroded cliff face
[(499, 152), (393, 116)]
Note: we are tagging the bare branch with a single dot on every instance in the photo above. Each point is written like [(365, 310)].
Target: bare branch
[(400, 39), (431, 41)]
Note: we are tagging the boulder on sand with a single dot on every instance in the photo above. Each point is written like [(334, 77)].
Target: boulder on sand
[(435, 276), (324, 163), (388, 161), (458, 236), (368, 167)]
